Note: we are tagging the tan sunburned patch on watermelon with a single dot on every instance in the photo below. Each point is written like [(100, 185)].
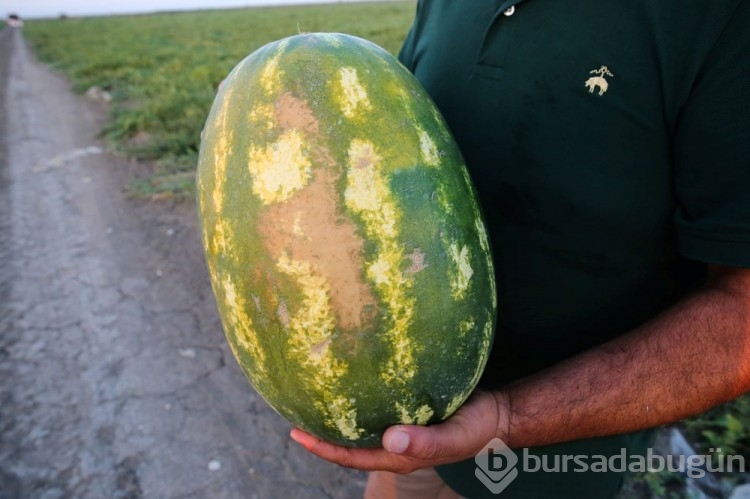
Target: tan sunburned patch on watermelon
[(297, 227), (420, 416), (353, 95), (294, 113), (368, 195), (313, 325), (461, 277), (428, 149), (309, 228), (280, 169)]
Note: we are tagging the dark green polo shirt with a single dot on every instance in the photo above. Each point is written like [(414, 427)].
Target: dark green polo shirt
[(609, 142)]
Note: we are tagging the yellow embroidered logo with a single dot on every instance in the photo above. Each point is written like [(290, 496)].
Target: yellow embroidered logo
[(598, 81)]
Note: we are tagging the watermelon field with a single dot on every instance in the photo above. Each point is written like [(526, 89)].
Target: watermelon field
[(148, 81), (161, 71)]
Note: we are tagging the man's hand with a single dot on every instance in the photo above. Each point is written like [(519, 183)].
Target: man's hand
[(686, 360), (409, 447)]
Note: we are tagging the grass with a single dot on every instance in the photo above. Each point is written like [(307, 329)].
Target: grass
[(162, 70), (722, 431)]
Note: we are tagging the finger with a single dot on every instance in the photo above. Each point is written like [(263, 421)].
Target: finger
[(363, 459), (303, 438), (433, 444), (457, 438)]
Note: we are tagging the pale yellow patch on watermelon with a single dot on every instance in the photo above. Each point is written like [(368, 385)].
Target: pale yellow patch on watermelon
[(344, 418), (314, 322), (419, 416), (367, 190), (440, 122), (486, 340), (423, 414), (378, 271), (454, 404), (444, 198), (364, 190), (484, 242), (241, 324), (220, 154), (313, 325), (367, 194), (270, 77), (429, 150), (353, 94), (220, 244), (263, 115), (465, 326), (461, 277), (280, 169)]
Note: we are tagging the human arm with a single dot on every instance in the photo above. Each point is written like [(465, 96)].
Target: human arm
[(688, 359)]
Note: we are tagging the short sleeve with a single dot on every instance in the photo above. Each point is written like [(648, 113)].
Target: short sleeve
[(712, 152)]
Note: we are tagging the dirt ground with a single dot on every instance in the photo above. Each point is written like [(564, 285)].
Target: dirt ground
[(115, 379)]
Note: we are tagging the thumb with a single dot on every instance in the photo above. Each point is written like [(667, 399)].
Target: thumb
[(459, 437), (427, 442)]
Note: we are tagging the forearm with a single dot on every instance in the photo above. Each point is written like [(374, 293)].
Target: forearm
[(690, 358)]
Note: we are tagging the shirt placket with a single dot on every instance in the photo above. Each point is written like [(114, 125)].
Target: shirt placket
[(497, 39)]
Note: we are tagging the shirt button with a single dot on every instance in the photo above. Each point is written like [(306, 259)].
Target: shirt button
[(510, 10)]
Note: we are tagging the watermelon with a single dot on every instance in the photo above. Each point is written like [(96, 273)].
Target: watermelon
[(346, 248)]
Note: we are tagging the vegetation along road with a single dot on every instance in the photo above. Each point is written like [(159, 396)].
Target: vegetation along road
[(115, 378)]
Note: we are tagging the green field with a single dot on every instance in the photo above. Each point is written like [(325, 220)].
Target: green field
[(162, 70)]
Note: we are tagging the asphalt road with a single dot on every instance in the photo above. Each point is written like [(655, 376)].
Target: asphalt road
[(115, 379)]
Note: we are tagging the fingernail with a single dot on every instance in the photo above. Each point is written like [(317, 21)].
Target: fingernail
[(302, 438), (397, 442)]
